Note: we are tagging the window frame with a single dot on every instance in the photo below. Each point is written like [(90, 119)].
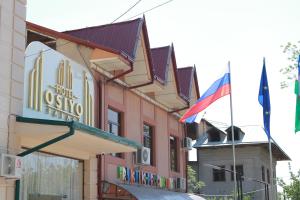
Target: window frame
[(263, 174), (237, 167), (152, 137), (119, 124), (236, 136), (175, 147), (219, 175), (268, 176), (214, 137)]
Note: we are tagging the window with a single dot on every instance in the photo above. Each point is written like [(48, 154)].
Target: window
[(114, 122), (268, 175), (219, 174), (148, 141), (239, 169), (192, 130), (236, 135), (47, 176), (214, 137), (114, 125), (173, 154), (263, 178)]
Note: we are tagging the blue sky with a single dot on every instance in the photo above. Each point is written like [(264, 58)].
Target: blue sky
[(208, 34)]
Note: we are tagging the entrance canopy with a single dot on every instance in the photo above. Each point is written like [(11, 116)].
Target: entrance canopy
[(69, 138), (148, 193), (140, 192)]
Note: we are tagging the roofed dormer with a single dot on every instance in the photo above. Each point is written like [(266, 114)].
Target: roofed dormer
[(238, 134), (130, 40)]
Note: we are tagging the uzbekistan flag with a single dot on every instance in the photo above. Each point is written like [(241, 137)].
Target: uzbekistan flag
[(218, 89)]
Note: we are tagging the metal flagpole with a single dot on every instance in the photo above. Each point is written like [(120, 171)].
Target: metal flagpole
[(271, 171), (232, 134)]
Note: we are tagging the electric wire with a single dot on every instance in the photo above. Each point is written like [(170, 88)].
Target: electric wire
[(151, 9), (136, 3), (111, 22), (48, 49)]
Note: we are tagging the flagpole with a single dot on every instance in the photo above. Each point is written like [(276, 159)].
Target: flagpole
[(232, 136), (271, 171)]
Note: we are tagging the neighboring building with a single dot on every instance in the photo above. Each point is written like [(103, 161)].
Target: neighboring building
[(81, 102), (214, 148)]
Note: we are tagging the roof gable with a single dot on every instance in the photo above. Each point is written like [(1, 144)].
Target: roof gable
[(118, 36), (160, 60), (185, 76)]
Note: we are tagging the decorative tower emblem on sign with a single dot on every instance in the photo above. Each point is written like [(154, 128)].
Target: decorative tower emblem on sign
[(36, 85)]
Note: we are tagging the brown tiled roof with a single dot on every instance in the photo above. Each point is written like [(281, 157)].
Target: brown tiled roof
[(160, 58), (119, 36), (185, 77), (56, 34)]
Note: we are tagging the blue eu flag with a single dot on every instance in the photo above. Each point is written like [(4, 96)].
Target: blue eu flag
[(264, 100)]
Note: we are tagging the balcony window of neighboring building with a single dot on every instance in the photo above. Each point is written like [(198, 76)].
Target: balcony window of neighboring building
[(263, 178), (236, 136), (239, 169), (149, 141), (114, 125), (214, 137), (173, 153), (219, 174)]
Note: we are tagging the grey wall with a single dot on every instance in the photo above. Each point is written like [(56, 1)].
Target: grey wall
[(252, 159)]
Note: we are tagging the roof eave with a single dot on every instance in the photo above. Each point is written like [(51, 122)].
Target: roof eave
[(226, 145), (40, 29), (176, 75)]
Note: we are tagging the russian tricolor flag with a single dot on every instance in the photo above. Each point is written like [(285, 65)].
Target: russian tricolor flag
[(218, 89)]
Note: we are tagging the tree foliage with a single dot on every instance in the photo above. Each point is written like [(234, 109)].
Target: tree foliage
[(193, 184), (292, 51), (291, 190)]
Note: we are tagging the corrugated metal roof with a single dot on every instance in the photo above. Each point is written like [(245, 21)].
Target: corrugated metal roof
[(160, 57), (185, 80), (253, 135), (118, 36), (149, 193)]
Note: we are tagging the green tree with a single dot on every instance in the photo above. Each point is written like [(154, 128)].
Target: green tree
[(290, 73), (292, 189), (193, 184)]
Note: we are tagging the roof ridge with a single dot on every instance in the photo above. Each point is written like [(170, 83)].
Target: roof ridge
[(188, 67), (103, 25), (156, 48)]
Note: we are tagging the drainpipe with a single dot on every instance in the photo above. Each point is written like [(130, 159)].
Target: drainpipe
[(186, 161), (120, 75), (127, 72), (99, 174), (40, 146), (180, 109)]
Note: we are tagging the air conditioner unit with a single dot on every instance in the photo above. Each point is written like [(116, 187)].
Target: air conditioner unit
[(187, 143), (181, 184), (143, 156), (10, 166)]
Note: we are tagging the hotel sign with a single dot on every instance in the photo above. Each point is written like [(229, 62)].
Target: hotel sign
[(55, 87)]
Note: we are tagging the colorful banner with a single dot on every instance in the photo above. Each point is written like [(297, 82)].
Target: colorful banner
[(131, 176)]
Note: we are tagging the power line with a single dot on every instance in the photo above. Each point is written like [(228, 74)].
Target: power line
[(151, 9), (48, 49), (136, 3)]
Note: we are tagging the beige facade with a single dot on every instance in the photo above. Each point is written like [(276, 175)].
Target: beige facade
[(12, 48)]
